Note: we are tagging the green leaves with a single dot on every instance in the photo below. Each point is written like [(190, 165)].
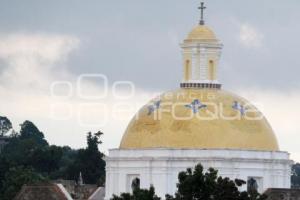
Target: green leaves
[(295, 179), (29, 155), (197, 185), (30, 131), (15, 178), (89, 162), (138, 194), (5, 125)]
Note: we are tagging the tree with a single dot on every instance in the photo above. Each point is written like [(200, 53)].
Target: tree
[(89, 162), (47, 160), (30, 131), (138, 194), (23, 148), (15, 178), (62, 163), (94, 171), (29, 153), (21, 160), (295, 179), (200, 185), (5, 125)]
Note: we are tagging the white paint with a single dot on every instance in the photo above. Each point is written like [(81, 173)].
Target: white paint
[(160, 167), (201, 54)]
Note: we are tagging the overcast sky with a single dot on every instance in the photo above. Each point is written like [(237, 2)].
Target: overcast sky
[(46, 41)]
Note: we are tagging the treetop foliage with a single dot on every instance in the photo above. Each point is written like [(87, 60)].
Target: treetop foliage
[(198, 185), (295, 179), (30, 155), (5, 126)]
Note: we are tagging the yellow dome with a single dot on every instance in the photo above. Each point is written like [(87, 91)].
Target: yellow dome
[(202, 33), (169, 130)]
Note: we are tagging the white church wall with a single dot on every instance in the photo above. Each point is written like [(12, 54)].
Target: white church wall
[(160, 167)]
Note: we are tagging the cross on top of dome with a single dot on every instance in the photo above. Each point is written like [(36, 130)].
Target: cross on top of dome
[(202, 8)]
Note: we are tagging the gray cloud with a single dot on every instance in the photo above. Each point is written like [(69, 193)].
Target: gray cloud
[(131, 40)]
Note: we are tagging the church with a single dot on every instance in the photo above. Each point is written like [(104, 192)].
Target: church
[(198, 122)]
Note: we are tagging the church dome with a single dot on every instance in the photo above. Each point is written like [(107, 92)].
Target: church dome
[(171, 121), (201, 33)]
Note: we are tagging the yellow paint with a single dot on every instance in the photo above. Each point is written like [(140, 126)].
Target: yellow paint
[(201, 33), (211, 70), (187, 70), (168, 132)]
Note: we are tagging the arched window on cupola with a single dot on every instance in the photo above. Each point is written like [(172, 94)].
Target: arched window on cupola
[(187, 70), (211, 70)]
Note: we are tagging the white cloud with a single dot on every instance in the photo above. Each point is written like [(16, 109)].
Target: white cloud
[(49, 48), (31, 59), (250, 36), (30, 64)]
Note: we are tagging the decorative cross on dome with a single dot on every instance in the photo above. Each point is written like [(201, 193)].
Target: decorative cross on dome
[(196, 105), (153, 107), (202, 8), (237, 106)]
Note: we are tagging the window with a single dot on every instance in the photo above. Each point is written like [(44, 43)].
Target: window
[(211, 70), (254, 184), (135, 184), (187, 70), (133, 180)]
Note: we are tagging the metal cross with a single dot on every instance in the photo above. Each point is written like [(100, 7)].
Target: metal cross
[(202, 8)]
